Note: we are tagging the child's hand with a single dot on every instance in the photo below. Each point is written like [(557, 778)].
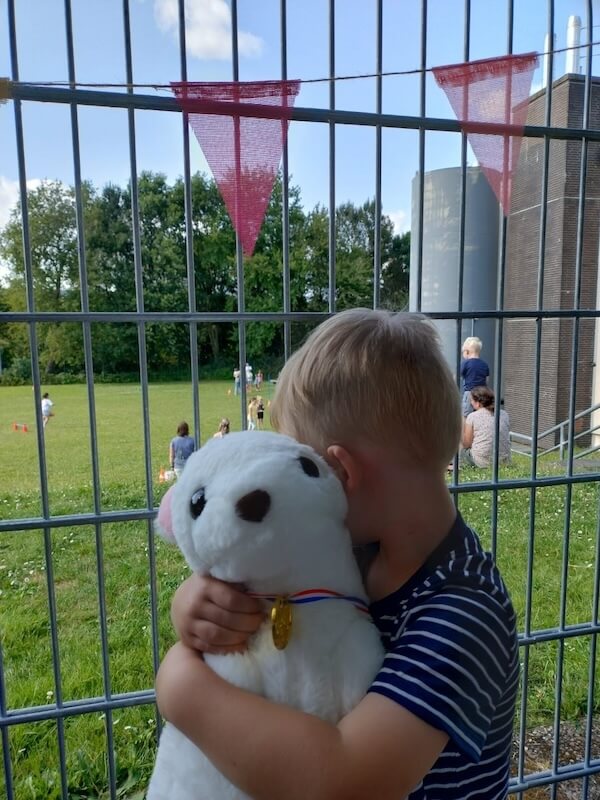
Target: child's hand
[(214, 617)]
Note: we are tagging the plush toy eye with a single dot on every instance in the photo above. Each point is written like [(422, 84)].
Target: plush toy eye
[(309, 467), (197, 503)]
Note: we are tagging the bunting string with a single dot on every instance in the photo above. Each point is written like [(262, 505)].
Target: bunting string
[(335, 78)]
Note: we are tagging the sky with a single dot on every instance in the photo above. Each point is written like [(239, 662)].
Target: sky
[(99, 57)]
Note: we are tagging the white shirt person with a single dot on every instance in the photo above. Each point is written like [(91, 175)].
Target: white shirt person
[(46, 409)]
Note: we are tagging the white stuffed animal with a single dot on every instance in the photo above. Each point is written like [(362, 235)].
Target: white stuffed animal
[(263, 510)]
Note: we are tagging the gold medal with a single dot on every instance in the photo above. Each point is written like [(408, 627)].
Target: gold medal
[(281, 619)]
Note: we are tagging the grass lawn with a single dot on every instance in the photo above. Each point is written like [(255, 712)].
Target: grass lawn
[(120, 436), (126, 555)]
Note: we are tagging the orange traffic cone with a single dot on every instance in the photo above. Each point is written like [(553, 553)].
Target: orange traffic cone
[(25, 428), (161, 475)]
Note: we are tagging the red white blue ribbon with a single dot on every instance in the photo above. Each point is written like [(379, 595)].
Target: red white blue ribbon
[(314, 596)]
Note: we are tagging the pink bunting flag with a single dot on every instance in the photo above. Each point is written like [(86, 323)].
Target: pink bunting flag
[(492, 91), (242, 129)]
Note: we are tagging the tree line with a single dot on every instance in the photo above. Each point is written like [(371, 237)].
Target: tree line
[(111, 286)]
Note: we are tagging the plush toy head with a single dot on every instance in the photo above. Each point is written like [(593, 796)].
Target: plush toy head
[(257, 508)]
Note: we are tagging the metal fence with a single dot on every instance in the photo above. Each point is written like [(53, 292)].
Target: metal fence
[(60, 707)]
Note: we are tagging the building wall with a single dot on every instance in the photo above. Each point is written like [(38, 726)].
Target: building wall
[(559, 278)]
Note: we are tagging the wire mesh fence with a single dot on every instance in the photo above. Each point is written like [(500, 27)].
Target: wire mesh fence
[(81, 703)]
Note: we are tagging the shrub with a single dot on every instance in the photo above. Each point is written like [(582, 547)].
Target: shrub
[(18, 374), (117, 377), (64, 378)]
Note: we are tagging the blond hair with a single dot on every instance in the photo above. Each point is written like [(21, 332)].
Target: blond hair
[(371, 374), (473, 344)]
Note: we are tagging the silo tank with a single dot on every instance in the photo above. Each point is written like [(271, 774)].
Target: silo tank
[(441, 255)]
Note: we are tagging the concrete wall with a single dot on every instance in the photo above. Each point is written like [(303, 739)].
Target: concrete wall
[(441, 255)]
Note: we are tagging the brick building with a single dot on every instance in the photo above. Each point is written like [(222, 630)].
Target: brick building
[(559, 276)]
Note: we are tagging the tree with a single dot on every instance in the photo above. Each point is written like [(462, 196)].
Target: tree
[(395, 274), (111, 277), (109, 250), (110, 263), (5, 338), (53, 252), (53, 246), (263, 273), (354, 256), (311, 276), (214, 266)]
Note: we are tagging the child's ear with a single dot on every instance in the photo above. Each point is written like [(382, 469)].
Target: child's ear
[(346, 466)]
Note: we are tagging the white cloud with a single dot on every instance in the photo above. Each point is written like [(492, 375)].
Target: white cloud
[(399, 221), (9, 196), (207, 28)]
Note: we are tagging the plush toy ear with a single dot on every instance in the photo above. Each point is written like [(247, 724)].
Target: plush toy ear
[(164, 519)]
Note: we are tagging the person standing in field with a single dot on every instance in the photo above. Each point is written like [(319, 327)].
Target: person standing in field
[(260, 413), (473, 370), (181, 448), (236, 381), (252, 417), (46, 409)]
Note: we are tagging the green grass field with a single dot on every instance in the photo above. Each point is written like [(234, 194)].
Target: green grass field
[(120, 433), (72, 554), (66, 563)]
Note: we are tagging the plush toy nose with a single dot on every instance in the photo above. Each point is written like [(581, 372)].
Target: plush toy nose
[(253, 506)]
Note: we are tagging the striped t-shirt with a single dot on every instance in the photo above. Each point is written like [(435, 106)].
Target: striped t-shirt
[(452, 659)]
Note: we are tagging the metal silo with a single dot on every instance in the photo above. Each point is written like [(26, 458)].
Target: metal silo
[(441, 256)]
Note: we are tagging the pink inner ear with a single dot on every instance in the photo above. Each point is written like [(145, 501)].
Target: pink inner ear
[(164, 518)]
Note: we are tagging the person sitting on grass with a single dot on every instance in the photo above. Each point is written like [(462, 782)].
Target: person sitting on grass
[(479, 431), (437, 720), (223, 430)]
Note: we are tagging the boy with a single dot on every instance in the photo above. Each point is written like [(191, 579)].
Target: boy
[(46, 409), (473, 370), (370, 390)]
